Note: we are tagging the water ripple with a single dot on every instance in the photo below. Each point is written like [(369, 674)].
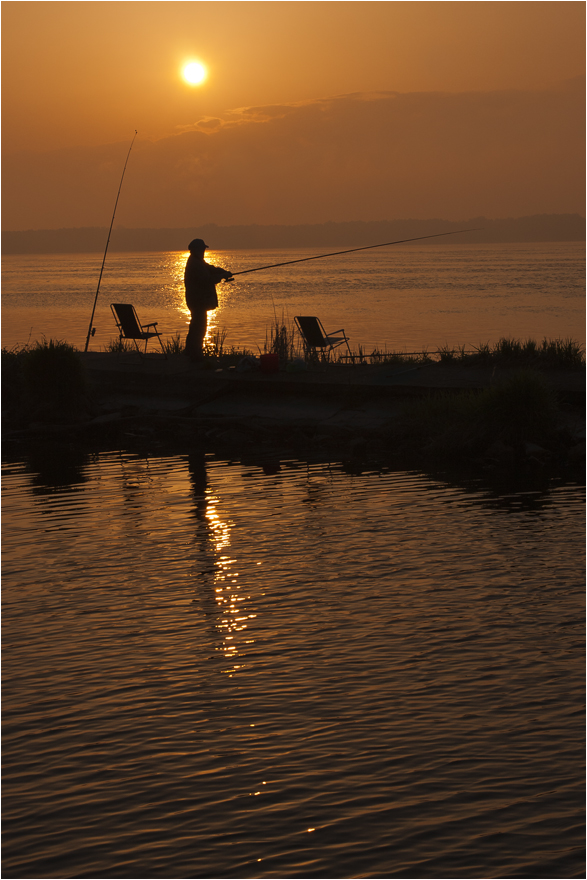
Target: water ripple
[(212, 672)]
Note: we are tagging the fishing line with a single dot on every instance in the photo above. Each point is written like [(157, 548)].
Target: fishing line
[(90, 333), (352, 250)]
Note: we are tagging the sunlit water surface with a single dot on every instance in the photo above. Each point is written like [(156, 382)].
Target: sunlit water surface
[(214, 671), (405, 298)]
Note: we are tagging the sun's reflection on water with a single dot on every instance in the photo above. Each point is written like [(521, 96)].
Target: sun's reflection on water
[(232, 614)]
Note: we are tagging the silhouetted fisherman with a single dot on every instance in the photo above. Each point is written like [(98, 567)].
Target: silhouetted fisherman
[(200, 281)]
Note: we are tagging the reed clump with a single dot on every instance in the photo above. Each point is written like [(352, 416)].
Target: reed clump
[(385, 358), (174, 345), (46, 378), (556, 354), (280, 339), (218, 353), (563, 354), (119, 346)]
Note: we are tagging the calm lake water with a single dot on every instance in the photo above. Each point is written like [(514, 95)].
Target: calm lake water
[(405, 298), (213, 671)]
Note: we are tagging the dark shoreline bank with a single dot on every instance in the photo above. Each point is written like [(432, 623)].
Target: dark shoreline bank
[(361, 416)]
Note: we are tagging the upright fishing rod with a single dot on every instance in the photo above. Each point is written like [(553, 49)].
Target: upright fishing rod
[(107, 243), (352, 250)]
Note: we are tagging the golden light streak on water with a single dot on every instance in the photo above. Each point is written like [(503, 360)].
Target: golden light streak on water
[(233, 618)]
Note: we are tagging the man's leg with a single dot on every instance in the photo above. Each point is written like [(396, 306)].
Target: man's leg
[(197, 330)]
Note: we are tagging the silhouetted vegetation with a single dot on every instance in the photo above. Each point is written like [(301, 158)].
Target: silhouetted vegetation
[(517, 410), (282, 338), (46, 379), (563, 354), (552, 353)]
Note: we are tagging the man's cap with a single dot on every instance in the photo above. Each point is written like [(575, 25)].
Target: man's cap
[(198, 244)]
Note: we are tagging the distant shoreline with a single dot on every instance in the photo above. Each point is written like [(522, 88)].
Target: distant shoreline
[(536, 228)]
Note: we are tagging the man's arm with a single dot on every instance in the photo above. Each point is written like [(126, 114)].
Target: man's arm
[(217, 274)]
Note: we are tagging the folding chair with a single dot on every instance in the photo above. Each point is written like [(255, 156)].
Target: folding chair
[(130, 327), (315, 337)]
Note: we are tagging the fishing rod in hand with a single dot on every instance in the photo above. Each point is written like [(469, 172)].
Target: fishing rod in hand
[(352, 250), (90, 333)]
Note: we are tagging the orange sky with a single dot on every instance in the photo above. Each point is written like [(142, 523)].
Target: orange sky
[(79, 77)]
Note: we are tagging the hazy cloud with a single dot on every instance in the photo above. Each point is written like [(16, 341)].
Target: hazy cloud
[(370, 156)]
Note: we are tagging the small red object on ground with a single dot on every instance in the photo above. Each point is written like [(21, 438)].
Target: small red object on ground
[(269, 363)]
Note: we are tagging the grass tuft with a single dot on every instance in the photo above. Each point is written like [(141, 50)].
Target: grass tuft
[(280, 339), (566, 354), (173, 345), (47, 377), (119, 346)]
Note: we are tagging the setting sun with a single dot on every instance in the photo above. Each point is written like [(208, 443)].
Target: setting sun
[(194, 73)]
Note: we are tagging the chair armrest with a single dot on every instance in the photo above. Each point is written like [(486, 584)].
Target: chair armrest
[(152, 324)]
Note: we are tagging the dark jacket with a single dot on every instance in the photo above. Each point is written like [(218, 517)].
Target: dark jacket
[(200, 281)]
